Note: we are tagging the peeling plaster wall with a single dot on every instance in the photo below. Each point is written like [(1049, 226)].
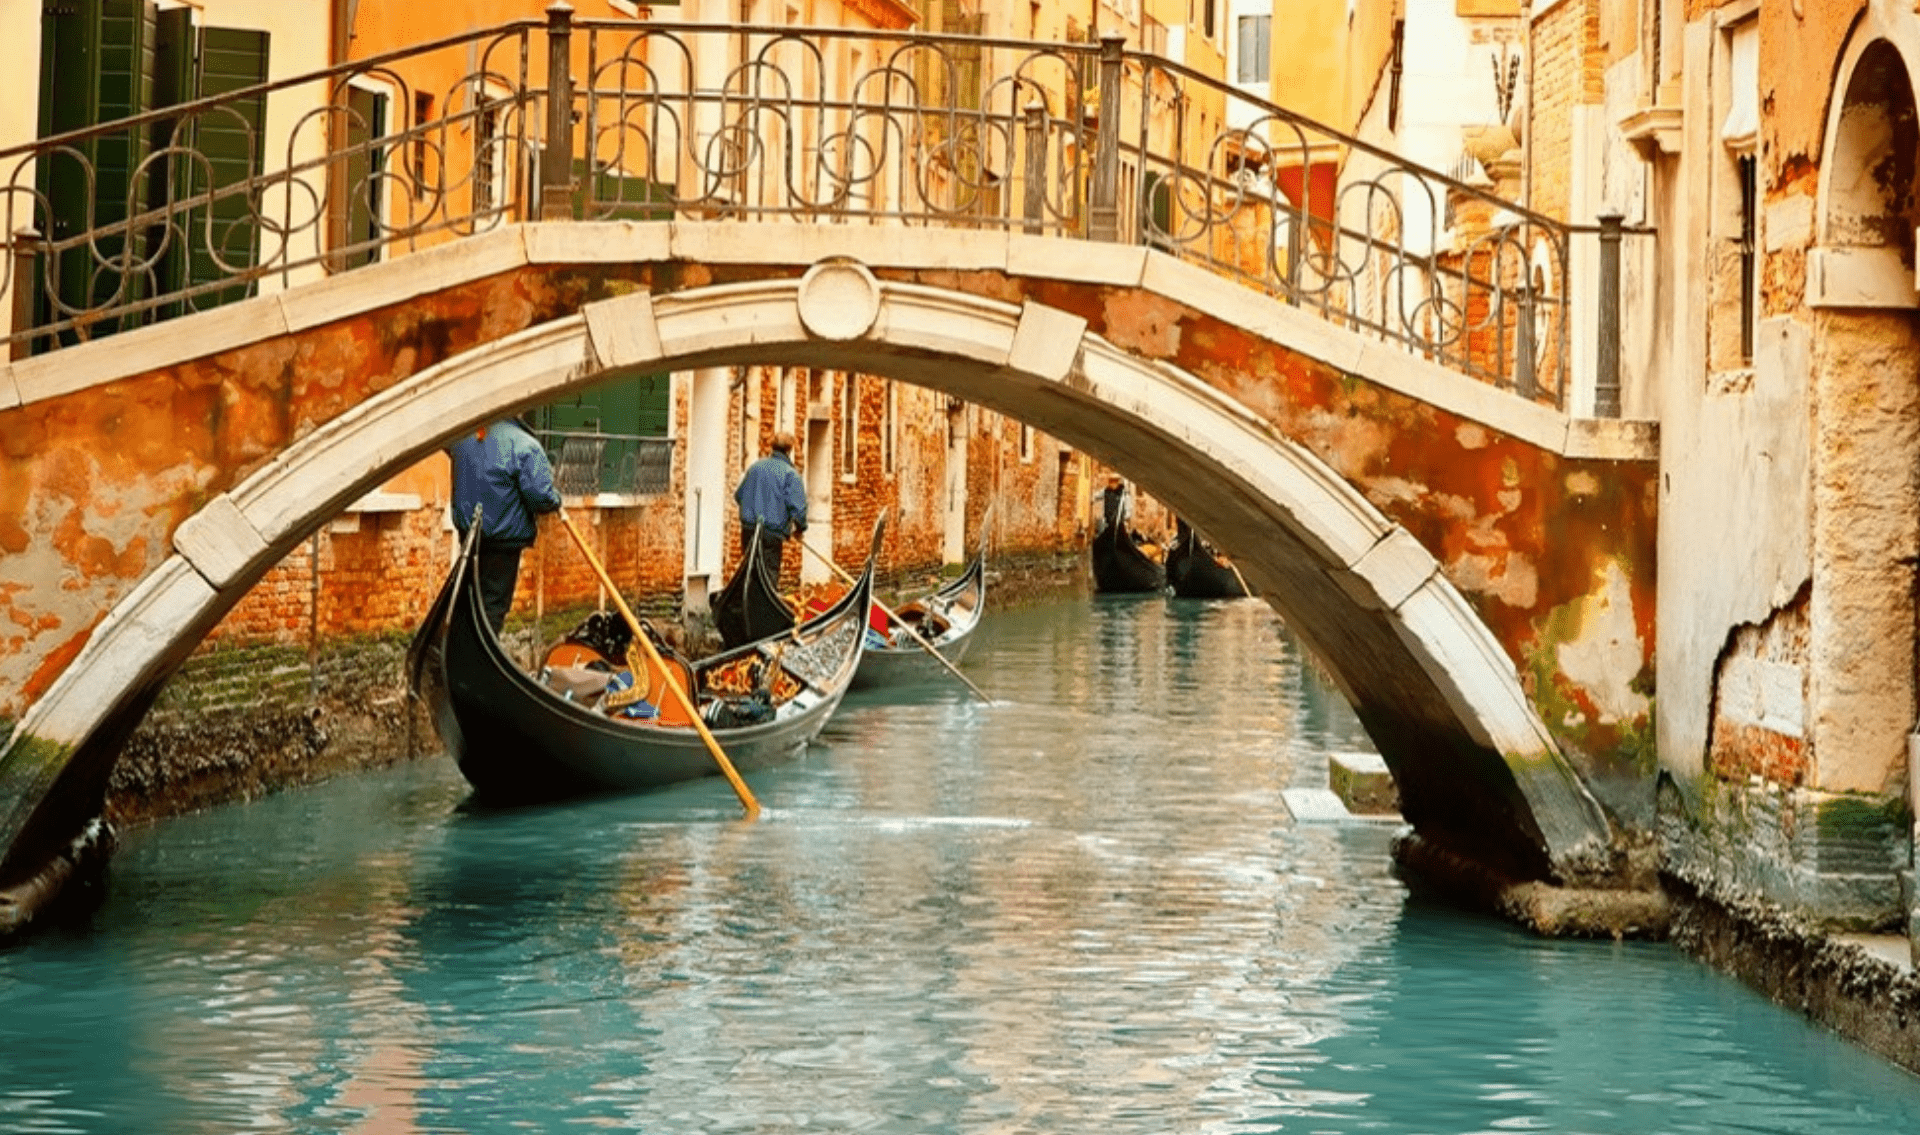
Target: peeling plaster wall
[(1735, 541), (1790, 488)]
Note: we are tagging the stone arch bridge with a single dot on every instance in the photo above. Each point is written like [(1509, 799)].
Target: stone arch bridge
[(1472, 564), (1470, 567)]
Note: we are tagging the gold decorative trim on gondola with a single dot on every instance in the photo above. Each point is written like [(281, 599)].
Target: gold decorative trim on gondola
[(743, 676)]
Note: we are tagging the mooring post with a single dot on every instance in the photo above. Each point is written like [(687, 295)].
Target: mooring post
[(556, 161), (1103, 207), (1606, 358), (1034, 168), (26, 253)]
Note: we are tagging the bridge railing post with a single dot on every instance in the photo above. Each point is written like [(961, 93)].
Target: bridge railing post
[(1103, 206), (556, 159), (1606, 358), (25, 276), (1525, 379), (1034, 167)]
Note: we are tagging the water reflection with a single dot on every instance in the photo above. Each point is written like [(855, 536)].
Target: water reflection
[(1081, 908)]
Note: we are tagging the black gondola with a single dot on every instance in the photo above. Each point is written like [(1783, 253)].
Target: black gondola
[(519, 739), (750, 606), (1120, 567), (946, 619), (1194, 572)]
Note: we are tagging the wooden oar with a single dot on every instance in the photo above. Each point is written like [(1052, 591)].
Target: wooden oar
[(747, 801), (1235, 568), (917, 637)]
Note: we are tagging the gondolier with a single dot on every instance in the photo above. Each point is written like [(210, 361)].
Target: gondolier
[(772, 499), (501, 469)]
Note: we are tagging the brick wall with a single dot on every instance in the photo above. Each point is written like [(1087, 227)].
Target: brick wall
[(1567, 70)]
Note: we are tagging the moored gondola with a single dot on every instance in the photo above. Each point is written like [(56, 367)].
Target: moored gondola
[(521, 738), (1194, 572), (944, 619), (1119, 565)]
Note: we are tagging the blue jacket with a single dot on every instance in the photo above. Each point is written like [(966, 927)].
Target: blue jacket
[(773, 494), (502, 469)]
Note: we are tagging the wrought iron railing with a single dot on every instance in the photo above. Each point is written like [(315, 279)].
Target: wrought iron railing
[(648, 120), (586, 463)]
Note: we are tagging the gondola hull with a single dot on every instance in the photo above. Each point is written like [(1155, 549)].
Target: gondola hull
[(961, 604), (750, 607), (1193, 572), (517, 741), (1120, 567)]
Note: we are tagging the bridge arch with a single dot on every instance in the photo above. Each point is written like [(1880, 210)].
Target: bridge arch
[(1478, 770)]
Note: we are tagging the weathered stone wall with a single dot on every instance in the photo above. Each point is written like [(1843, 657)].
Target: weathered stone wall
[(1790, 493)]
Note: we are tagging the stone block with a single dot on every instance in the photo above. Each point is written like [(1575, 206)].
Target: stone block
[(403, 278), (1362, 782), (1046, 342), (1092, 262), (1314, 805), (219, 542), (602, 242), (145, 349)]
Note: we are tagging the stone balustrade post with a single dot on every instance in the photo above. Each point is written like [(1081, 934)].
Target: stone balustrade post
[(1606, 376), (1103, 206), (25, 278), (1034, 167), (556, 159)]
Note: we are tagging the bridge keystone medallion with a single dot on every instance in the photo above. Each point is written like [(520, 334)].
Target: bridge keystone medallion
[(839, 300)]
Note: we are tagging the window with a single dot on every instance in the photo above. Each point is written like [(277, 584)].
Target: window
[(849, 426), (422, 114), (1255, 54), (493, 152), (103, 60), (1026, 442), (366, 180), (1735, 264), (1749, 255), (889, 427), (612, 438)]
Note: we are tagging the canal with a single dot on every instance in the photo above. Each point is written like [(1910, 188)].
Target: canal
[(1081, 910)]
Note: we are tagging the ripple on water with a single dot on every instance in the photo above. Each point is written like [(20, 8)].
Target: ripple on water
[(1080, 909)]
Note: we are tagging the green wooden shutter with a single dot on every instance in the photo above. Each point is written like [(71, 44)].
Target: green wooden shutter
[(225, 235), (366, 162), (96, 65), (176, 80)]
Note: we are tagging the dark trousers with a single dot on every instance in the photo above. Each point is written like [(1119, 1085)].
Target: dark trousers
[(499, 575), (772, 546)]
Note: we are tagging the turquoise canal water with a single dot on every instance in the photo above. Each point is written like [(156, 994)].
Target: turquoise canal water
[(1082, 910)]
